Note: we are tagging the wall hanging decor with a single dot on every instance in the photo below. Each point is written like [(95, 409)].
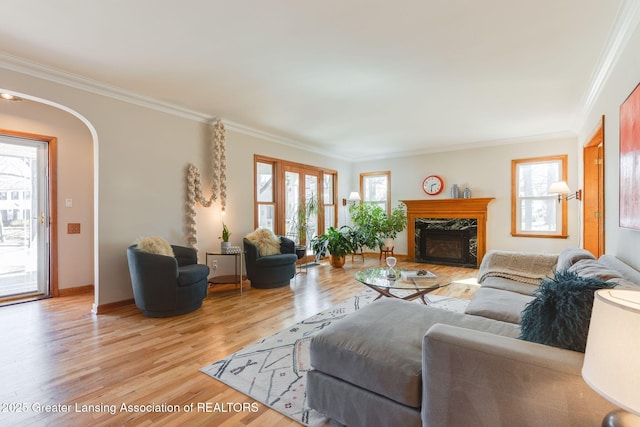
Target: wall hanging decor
[(630, 161), (218, 183)]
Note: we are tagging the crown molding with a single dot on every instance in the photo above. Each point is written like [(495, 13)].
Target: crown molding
[(54, 75), (626, 22), (267, 136), (552, 136)]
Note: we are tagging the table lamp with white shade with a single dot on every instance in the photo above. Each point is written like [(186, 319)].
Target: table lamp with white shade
[(612, 357)]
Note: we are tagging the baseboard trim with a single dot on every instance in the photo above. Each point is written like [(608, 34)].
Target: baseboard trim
[(106, 308), (76, 290)]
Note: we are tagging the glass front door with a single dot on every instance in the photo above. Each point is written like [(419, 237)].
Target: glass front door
[(24, 218)]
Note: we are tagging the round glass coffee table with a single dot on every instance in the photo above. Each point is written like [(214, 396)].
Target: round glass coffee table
[(417, 285)]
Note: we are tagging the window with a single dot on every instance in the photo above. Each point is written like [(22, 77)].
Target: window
[(534, 211), (283, 190), (376, 187), (329, 200), (265, 197)]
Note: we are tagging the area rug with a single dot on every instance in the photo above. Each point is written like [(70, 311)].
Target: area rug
[(273, 371)]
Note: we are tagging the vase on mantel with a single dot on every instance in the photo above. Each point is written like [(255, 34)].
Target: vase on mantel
[(454, 191)]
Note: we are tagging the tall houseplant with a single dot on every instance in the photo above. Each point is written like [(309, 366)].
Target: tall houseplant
[(300, 222), (366, 218), (393, 224), (374, 223)]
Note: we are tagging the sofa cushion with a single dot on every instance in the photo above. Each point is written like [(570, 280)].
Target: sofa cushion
[(276, 260), (630, 275), (498, 304), (193, 273), (594, 268), (569, 256), (379, 348), (559, 315), (265, 241)]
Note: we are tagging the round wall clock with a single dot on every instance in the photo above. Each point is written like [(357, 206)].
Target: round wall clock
[(432, 185)]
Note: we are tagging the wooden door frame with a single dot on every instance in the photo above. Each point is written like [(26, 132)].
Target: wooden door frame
[(52, 179), (593, 172)]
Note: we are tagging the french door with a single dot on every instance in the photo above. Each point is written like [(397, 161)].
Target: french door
[(24, 218), (302, 198), (294, 199)]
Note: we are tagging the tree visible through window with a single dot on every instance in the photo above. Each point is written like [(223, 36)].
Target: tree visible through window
[(376, 187), (534, 211)]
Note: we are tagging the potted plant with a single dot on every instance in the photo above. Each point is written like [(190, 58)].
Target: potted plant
[(300, 222), (357, 239), (336, 242), (366, 218), (393, 224), (225, 244)]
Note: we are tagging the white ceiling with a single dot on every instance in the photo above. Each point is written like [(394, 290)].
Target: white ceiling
[(356, 78)]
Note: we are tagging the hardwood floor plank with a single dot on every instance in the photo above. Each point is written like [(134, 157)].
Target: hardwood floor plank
[(55, 352)]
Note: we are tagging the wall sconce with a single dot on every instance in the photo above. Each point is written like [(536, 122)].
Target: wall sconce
[(561, 188), (354, 197)]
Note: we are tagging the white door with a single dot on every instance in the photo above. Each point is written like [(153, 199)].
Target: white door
[(24, 218)]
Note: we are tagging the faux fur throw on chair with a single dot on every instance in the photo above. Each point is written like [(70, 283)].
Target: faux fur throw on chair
[(266, 242), (155, 245)]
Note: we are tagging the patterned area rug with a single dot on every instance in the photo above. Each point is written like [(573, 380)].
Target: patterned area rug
[(273, 371)]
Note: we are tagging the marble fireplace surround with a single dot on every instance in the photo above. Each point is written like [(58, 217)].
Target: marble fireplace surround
[(448, 208)]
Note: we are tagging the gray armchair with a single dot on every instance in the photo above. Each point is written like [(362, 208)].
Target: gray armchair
[(272, 271), (165, 286)]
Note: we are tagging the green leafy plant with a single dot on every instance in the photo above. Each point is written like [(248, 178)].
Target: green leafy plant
[(300, 223), (393, 224), (366, 219), (335, 241), (357, 239), (225, 233), (374, 224)]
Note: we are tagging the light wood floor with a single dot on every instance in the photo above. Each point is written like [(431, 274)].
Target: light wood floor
[(54, 352)]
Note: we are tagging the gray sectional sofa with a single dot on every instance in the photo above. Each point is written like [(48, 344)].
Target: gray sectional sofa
[(400, 363)]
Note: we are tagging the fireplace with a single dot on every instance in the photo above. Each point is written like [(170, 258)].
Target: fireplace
[(441, 229), (446, 241)]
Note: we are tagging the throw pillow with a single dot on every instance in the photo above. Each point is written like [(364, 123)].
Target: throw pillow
[(559, 315), (266, 242), (155, 245)]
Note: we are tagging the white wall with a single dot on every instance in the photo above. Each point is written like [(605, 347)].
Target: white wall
[(141, 157), (487, 172), (75, 181), (621, 242)]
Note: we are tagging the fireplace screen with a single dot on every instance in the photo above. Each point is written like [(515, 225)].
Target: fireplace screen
[(446, 241)]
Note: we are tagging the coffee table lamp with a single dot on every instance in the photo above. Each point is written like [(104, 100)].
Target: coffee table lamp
[(612, 357)]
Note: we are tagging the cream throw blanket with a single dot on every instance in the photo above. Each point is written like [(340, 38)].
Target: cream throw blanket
[(522, 267)]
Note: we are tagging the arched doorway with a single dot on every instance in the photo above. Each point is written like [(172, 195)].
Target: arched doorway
[(78, 198)]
